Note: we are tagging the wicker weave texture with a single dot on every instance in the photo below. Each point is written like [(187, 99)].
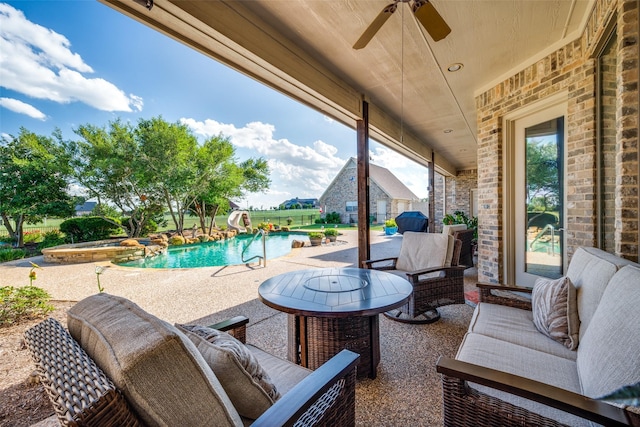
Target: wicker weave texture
[(436, 292), (488, 296), (326, 337), (336, 407), (466, 251), (464, 407), (80, 392)]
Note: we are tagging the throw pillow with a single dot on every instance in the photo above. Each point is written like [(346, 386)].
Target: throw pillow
[(555, 310), (246, 383)]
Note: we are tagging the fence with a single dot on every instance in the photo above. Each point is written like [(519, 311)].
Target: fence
[(280, 219), (29, 229)]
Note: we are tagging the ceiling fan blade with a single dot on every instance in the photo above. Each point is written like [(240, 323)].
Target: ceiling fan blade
[(377, 23), (430, 19)]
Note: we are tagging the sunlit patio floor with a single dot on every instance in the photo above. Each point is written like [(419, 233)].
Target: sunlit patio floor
[(407, 389)]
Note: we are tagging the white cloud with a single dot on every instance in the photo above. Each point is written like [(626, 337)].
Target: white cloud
[(20, 107), (39, 63), (296, 170), (303, 171)]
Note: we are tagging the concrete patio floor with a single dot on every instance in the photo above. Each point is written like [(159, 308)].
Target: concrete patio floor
[(407, 389)]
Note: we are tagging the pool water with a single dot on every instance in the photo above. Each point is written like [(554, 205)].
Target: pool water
[(220, 253)]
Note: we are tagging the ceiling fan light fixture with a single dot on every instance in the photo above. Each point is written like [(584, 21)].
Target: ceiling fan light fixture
[(455, 67)]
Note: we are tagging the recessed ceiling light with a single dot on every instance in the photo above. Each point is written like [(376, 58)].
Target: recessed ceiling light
[(455, 67), (447, 130)]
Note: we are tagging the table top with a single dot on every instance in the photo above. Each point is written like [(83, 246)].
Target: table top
[(335, 292)]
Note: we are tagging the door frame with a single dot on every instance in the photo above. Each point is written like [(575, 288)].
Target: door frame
[(555, 105)]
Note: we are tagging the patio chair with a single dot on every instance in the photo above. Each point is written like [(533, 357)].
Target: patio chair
[(430, 261), (117, 365), (466, 249), (460, 232)]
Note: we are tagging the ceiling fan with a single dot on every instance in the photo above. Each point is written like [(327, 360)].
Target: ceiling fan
[(424, 11)]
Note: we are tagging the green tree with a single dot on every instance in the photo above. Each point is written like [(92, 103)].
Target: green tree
[(158, 165), (33, 180), (229, 180), (543, 187), (108, 163)]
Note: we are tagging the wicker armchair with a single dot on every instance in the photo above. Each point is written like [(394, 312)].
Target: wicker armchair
[(466, 249), (436, 282), (82, 394)]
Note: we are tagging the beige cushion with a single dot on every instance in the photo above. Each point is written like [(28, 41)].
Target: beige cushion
[(590, 270), (516, 326), (284, 374), (247, 384), (158, 369), (555, 311), (423, 250), (451, 229), (609, 352)]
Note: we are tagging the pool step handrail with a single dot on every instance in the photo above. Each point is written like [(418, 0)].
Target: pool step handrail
[(552, 239), (262, 233)]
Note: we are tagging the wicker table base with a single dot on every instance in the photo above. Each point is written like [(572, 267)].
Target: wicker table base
[(314, 340), (331, 309)]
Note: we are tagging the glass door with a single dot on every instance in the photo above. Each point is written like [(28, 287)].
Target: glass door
[(543, 198), (539, 197)]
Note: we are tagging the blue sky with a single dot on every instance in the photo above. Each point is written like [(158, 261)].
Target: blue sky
[(68, 63)]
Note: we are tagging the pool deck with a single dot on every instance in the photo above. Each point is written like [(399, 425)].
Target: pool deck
[(184, 295), (407, 390)]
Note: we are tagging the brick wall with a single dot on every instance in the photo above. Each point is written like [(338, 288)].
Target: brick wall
[(453, 193), (345, 189), (571, 68)]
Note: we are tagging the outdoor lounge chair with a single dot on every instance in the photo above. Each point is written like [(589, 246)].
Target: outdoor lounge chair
[(430, 261), (117, 365), (466, 248)]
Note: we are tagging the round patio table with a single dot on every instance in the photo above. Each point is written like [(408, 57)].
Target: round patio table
[(331, 309)]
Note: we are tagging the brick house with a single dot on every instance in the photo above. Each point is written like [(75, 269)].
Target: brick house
[(388, 196)]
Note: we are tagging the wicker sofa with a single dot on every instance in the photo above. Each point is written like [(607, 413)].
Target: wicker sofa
[(508, 373), (117, 365)]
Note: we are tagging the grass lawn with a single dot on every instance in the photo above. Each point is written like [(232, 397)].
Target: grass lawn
[(301, 219)]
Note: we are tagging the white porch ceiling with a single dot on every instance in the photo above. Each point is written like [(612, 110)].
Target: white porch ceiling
[(303, 48)]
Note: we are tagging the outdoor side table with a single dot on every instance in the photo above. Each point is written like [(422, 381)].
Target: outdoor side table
[(331, 309)]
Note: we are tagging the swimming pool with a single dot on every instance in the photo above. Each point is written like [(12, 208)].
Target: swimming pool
[(220, 253)]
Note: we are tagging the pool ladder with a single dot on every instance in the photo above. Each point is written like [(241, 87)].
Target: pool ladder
[(260, 232)]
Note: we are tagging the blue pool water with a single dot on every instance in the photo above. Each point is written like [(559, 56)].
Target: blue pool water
[(220, 253)]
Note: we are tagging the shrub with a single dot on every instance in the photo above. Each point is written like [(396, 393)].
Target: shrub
[(31, 236), (266, 226), (18, 304), (89, 228), (316, 235), (331, 232), (333, 218), (319, 221), (51, 238), (12, 254), (459, 217), (390, 223), (8, 240), (176, 240)]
